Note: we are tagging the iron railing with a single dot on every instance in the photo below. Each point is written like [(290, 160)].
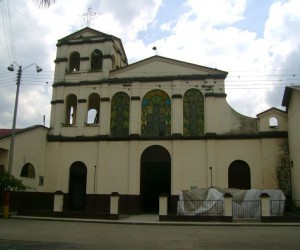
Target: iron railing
[(248, 210), (200, 207), (277, 207)]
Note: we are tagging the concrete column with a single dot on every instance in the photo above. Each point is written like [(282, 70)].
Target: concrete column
[(265, 205), (58, 206), (163, 204), (105, 116), (57, 116), (228, 207), (135, 116), (81, 116), (114, 205)]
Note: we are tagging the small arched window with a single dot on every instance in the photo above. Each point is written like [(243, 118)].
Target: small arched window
[(75, 61), (96, 60), (93, 109), (28, 171), (273, 122), (71, 109)]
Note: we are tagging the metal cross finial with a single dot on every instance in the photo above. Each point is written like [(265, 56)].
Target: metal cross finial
[(89, 16)]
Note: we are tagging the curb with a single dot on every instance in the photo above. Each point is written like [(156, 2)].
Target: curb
[(127, 221)]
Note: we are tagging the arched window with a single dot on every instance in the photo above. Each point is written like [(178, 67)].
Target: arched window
[(96, 60), (119, 123), (28, 171), (239, 175), (273, 122), (93, 109), (156, 114), (75, 61), (71, 109), (193, 113)]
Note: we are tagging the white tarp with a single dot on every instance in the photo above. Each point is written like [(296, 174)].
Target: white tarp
[(210, 201)]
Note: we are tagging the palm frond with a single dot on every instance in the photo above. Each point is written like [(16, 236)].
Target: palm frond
[(44, 3)]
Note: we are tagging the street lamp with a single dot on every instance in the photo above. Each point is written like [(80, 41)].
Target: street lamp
[(13, 132)]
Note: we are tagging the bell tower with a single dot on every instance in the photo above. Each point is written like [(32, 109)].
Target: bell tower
[(84, 58)]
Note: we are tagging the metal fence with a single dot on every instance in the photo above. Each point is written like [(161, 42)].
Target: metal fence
[(246, 210), (296, 203), (200, 207), (277, 207)]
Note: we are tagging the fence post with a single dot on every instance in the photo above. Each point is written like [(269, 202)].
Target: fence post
[(58, 205), (163, 206), (228, 207), (114, 205), (265, 206)]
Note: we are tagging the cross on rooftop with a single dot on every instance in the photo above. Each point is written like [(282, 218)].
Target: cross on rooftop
[(89, 16)]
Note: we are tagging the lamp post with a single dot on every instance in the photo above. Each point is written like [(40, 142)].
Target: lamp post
[(211, 182), (13, 132)]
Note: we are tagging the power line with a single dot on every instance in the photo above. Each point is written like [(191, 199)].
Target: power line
[(8, 30)]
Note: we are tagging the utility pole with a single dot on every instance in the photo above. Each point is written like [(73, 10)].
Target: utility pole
[(13, 131)]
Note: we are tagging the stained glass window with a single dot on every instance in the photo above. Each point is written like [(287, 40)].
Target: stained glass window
[(156, 114), (193, 113), (119, 123)]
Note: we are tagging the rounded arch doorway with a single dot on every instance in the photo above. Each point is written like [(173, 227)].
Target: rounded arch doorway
[(155, 177), (239, 175), (77, 185)]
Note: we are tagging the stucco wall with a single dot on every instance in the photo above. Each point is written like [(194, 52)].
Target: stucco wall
[(118, 163), (294, 139), (29, 147)]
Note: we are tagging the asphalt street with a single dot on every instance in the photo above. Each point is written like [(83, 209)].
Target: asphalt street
[(39, 234)]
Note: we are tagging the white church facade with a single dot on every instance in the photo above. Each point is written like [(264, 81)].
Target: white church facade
[(155, 126)]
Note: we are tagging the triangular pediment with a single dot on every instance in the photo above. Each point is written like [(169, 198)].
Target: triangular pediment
[(272, 111), (157, 66), (84, 34)]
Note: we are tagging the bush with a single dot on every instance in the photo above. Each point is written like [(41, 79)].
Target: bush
[(9, 183)]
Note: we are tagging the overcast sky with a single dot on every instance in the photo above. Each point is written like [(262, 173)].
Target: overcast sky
[(255, 41)]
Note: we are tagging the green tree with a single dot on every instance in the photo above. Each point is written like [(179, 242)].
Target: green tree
[(9, 183), (283, 169)]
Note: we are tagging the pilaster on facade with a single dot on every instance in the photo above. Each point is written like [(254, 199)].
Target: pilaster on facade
[(176, 168), (177, 114), (209, 116), (134, 170), (211, 167), (81, 116)]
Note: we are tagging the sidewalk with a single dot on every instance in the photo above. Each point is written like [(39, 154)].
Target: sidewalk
[(153, 219)]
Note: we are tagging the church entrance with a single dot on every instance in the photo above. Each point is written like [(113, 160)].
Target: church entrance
[(155, 177), (77, 186)]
